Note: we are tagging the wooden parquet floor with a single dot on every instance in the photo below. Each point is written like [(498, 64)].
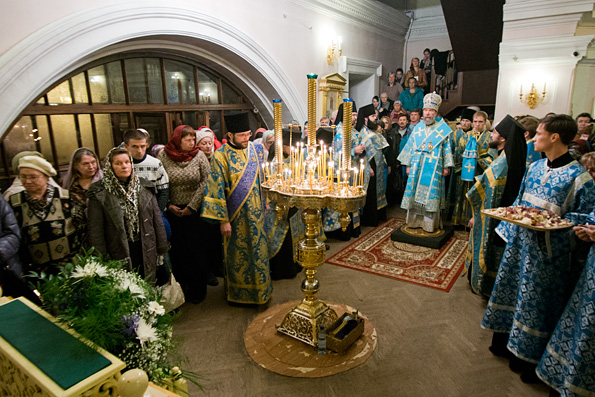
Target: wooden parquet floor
[(429, 342)]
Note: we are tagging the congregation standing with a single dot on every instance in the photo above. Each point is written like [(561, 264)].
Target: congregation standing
[(150, 210)]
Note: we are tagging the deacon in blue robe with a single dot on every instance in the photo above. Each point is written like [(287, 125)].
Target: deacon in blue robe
[(568, 363), (536, 275), (494, 188), (472, 156), (234, 199), (428, 154), (330, 217)]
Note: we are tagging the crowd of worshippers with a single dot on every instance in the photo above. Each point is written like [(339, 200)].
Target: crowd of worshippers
[(200, 190)]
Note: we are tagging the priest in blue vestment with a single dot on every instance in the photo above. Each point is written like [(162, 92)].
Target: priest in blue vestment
[(330, 217), (536, 275), (568, 363), (472, 155), (428, 157), (234, 199), (497, 187), (375, 167)]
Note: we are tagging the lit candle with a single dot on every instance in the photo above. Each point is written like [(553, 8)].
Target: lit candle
[(354, 177), (521, 90), (361, 173)]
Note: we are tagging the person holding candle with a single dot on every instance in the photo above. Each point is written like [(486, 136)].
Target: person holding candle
[(428, 157), (233, 198), (284, 234)]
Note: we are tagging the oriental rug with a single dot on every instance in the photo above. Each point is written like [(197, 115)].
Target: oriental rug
[(375, 253)]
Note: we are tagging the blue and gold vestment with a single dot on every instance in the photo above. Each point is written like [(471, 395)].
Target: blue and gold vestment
[(483, 256), (233, 195)]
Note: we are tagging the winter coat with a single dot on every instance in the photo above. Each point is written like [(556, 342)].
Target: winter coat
[(107, 232), (10, 236)]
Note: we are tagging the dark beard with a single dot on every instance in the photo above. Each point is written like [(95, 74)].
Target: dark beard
[(493, 145)]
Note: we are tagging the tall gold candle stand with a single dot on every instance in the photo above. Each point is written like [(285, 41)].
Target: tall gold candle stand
[(313, 188)]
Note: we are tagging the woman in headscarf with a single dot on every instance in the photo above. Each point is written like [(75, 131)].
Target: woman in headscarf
[(124, 218), (188, 170), (50, 235), (83, 170), (267, 140)]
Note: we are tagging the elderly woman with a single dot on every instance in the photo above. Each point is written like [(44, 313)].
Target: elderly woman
[(267, 140), (124, 218), (83, 170), (188, 169), (50, 236)]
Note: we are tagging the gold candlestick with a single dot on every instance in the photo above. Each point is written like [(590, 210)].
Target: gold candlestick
[(347, 110), (278, 136), (312, 110)]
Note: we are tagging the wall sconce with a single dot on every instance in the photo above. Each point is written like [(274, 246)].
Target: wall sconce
[(532, 99), (334, 50)]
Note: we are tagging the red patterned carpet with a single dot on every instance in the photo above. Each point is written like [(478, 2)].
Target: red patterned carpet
[(376, 253)]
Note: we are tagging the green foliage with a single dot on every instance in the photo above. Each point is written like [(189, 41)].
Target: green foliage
[(115, 309)]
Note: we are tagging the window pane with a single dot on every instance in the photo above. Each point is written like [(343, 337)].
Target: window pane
[(60, 94), (135, 74), (98, 85), (41, 101), (19, 138), (65, 137), (105, 138), (190, 119), (86, 131), (44, 138), (207, 84), (115, 83), (80, 89), (154, 79), (179, 79), (215, 123), (230, 96)]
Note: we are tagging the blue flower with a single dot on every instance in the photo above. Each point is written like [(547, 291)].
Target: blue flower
[(131, 322)]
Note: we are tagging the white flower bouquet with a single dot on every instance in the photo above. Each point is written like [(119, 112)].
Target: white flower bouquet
[(115, 309)]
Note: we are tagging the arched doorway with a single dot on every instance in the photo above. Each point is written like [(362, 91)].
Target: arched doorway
[(59, 49)]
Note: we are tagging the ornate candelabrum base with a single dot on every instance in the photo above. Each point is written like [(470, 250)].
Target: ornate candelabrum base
[(304, 320)]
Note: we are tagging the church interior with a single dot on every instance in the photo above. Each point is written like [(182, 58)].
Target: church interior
[(80, 73)]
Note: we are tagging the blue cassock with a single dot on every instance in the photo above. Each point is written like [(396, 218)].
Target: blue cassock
[(330, 217), (374, 144), (568, 363), (427, 152), (483, 256), (532, 286)]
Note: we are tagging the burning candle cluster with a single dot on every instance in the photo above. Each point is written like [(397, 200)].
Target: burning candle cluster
[(310, 168)]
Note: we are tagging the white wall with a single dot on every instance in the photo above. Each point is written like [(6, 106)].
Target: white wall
[(537, 47), (279, 41)]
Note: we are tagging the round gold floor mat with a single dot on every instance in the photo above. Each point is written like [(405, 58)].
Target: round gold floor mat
[(287, 356)]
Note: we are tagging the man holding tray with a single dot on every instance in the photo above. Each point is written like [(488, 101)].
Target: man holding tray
[(532, 286)]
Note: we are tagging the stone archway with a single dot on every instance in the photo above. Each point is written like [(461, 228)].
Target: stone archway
[(35, 63)]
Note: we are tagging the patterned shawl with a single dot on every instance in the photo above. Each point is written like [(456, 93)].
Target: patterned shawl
[(127, 193)]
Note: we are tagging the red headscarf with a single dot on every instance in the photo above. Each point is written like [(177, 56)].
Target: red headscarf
[(173, 150)]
